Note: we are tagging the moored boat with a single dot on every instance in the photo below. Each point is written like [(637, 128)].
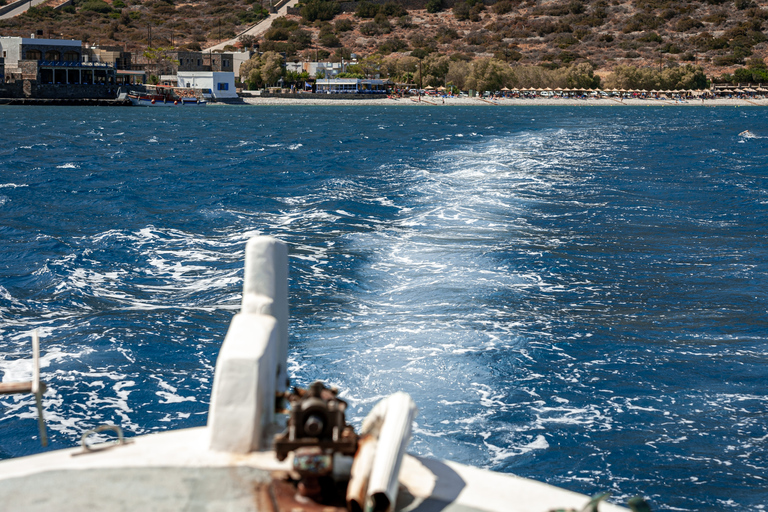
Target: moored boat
[(163, 100)]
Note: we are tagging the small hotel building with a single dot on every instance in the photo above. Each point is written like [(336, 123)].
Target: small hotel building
[(350, 86), (52, 61)]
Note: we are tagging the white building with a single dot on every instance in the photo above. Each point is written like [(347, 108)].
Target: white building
[(220, 84), (351, 86)]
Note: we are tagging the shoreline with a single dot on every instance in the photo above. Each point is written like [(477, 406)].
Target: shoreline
[(508, 102)]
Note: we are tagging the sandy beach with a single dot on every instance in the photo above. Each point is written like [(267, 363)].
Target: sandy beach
[(510, 102)]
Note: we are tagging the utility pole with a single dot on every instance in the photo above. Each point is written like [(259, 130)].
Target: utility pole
[(420, 74)]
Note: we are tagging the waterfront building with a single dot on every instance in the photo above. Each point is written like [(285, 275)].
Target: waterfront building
[(52, 61), (351, 86), (220, 84), (53, 69)]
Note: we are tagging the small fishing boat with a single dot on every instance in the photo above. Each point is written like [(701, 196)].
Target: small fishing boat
[(163, 100)]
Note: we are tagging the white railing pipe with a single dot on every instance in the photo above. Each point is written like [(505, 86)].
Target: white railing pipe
[(391, 419), (357, 489)]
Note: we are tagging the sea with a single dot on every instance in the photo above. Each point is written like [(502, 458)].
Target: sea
[(577, 295)]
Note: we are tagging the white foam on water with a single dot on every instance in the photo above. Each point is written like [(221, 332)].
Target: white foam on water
[(420, 312)]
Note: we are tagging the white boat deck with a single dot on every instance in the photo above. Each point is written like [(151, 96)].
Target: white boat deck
[(175, 470), (229, 466)]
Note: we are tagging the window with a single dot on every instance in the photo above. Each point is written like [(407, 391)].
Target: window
[(223, 87), (71, 56), (34, 55), (53, 56)]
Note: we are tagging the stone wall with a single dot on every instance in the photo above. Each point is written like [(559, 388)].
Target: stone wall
[(31, 89), (28, 69), (12, 90)]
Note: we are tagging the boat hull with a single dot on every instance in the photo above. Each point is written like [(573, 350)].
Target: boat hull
[(141, 101)]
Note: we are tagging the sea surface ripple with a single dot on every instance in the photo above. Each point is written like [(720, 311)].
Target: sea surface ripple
[(571, 294)]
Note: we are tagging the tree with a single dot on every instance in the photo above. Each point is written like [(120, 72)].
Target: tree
[(248, 41), (271, 67), (582, 76), (262, 70), (163, 63), (489, 74), (458, 71), (433, 70)]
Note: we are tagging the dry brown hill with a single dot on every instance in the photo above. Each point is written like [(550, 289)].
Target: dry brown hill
[(720, 36)]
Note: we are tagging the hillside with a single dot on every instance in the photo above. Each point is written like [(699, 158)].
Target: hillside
[(718, 36)]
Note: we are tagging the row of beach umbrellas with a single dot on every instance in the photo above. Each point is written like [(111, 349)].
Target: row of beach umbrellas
[(631, 91), (641, 91)]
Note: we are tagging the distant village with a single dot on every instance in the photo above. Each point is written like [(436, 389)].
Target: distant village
[(38, 68)]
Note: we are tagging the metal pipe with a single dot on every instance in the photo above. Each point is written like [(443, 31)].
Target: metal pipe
[(392, 417), (361, 473)]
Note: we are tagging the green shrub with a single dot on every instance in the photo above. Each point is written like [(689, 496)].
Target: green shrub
[(320, 10), (301, 38), (392, 45), (277, 34), (370, 29), (650, 37), (96, 6), (642, 21), (503, 7), (686, 24), (344, 25), (434, 6), (366, 10), (283, 22), (393, 10), (461, 11), (330, 41), (726, 60)]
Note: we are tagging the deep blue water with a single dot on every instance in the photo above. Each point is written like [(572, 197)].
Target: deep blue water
[(576, 295)]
